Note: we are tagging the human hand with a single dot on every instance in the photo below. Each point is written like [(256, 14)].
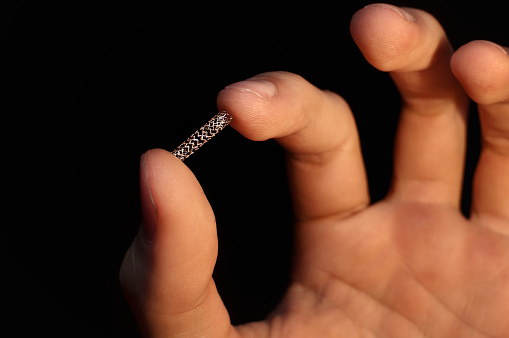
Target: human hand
[(408, 266)]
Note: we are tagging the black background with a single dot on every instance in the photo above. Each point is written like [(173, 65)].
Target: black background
[(90, 87)]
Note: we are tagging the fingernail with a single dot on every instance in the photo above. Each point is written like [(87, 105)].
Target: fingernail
[(404, 14), (261, 88), (148, 206), (502, 49)]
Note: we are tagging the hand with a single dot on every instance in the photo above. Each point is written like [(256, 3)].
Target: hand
[(408, 266)]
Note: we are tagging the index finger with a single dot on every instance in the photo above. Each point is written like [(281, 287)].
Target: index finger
[(317, 130)]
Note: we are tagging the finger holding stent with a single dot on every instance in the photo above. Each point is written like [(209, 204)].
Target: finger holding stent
[(318, 132)]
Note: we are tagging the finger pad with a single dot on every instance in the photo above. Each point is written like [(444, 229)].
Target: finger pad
[(483, 70), (383, 36)]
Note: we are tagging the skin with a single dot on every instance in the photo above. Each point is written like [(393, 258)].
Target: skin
[(408, 266)]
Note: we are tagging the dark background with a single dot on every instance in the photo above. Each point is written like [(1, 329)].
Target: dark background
[(90, 87)]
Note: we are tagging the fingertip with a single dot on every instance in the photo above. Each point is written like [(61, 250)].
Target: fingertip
[(482, 67), (159, 156), (261, 105), (162, 168), (385, 33), (249, 113), (177, 196), (186, 223), (165, 170)]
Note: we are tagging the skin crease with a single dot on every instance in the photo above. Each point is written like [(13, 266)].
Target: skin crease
[(409, 266)]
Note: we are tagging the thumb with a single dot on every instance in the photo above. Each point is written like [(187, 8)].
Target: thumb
[(166, 274)]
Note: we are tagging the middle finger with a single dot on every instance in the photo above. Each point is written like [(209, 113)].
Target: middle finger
[(431, 138)]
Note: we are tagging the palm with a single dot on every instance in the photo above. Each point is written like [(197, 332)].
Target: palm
[(398, 270)]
